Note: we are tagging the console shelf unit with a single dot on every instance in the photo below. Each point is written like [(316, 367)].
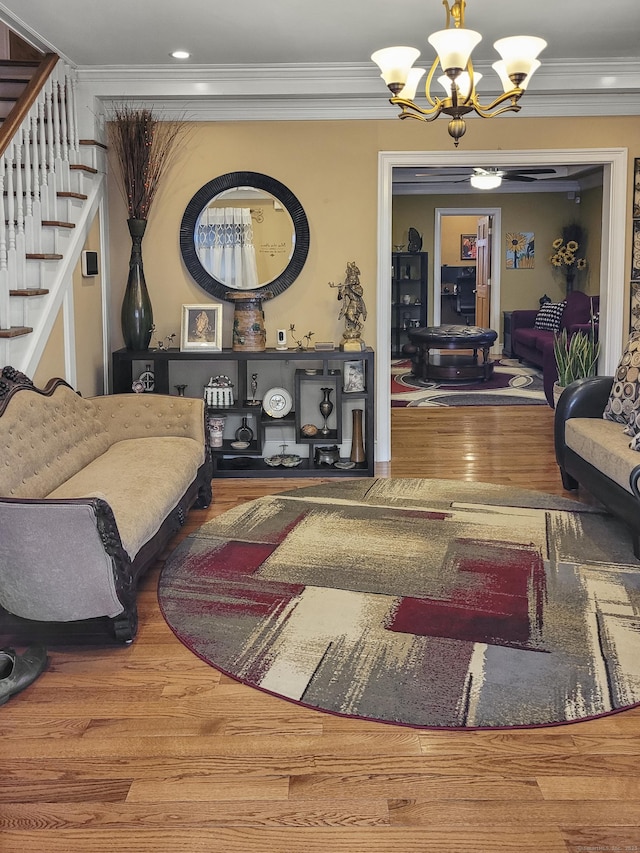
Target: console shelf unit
[(305, 389)]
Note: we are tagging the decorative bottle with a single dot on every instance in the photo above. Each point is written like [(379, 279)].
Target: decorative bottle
[(244, 432), (357, 446)]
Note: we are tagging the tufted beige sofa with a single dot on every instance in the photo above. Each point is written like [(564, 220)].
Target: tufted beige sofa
[(91, 490)]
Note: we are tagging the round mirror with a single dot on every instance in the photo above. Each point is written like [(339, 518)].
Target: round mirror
[(244, 231)]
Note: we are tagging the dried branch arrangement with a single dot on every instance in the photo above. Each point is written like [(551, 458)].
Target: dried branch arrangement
[(142, 145)]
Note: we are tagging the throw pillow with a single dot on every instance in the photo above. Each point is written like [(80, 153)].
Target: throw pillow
[(625, 392), (549, 316)]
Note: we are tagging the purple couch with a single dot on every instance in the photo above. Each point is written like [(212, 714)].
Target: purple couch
[(536, 345)]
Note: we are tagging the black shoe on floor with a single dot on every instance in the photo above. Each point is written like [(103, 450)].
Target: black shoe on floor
[(19, 671)]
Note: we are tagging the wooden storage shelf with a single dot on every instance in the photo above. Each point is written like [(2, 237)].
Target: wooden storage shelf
[(304, 387)]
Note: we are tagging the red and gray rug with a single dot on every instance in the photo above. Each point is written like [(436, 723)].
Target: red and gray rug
[(428, 603), (512, 384)]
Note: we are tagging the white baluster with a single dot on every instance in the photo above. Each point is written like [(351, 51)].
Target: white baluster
[(36, 208), (19, 195), (5, 319), (42, 157), (11, 215), (51, 153)]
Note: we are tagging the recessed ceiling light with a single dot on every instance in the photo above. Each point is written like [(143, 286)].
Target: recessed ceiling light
[(181, 54)]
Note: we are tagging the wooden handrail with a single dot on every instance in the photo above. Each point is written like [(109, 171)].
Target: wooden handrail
[(22, 106)]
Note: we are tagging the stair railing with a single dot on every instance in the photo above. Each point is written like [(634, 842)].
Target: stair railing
[(38, 144)]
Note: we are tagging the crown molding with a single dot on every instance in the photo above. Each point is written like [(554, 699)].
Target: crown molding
[(291, 91)]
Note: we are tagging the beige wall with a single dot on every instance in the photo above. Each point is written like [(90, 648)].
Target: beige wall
[(332, 168), (52, 362), (87, 306)]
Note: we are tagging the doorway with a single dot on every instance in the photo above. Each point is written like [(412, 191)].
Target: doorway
[(439, 259), (612, 268)]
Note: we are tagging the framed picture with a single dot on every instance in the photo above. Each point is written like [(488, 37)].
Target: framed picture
[(468, 247), (201, 328), (353, 377)]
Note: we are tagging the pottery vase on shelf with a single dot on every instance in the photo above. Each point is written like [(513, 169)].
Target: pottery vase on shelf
[(570, 279), (326, 407), (249, 332), (136, 315), (216, 431), (357, 445)]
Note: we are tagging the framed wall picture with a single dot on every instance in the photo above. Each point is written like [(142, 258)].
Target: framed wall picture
[(201, 328), (353, 377), (468, 247)]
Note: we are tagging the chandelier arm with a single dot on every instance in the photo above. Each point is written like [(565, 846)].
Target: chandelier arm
[(427, 85), (512, 108), (419, 116), (409, 109), (471, 95), (513, 96)]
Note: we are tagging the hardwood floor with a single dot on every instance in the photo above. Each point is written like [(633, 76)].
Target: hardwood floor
[(146, 748)]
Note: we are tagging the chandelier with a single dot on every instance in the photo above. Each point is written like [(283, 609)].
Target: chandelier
[(454, 45)]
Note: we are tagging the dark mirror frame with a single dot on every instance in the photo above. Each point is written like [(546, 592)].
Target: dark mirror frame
[(233, 180)]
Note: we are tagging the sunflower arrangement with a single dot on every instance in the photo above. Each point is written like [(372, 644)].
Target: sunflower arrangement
[(565, 250)]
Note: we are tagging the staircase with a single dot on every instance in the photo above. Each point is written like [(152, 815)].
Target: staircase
[(51, 184)]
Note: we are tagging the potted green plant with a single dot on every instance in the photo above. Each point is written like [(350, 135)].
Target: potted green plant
[(576, 357)]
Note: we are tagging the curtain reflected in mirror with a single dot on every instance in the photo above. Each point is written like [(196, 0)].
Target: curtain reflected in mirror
[(244, 231), (224, 240)]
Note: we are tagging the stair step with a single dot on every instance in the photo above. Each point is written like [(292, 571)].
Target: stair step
[(80, 167), (80, 196), (92, 142), (15, 331), (43, 256), (12, 78), (36, 291), (56, 223), (19, 63)]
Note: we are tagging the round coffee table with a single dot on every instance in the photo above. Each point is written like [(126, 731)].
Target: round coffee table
[(444, 366)]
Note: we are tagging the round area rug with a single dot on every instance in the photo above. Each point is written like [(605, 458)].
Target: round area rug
[(511, 384), (428, 603)]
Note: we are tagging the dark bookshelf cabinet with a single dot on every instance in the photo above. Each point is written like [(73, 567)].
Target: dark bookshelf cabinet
[(303, 374), (408, 297)]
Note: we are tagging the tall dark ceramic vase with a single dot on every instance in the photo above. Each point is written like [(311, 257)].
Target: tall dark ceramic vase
[(136, 316)]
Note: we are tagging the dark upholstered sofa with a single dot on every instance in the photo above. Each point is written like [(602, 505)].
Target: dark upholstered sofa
[(536, 345), (595, 453), (91, 490)]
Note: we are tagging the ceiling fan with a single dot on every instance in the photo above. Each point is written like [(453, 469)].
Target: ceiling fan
[(513, 175), (506, 175)]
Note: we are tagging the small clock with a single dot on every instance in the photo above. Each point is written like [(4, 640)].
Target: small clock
[(277, 402)]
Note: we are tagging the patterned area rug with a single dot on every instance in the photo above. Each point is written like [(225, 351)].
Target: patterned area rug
[(512, 384), (428, 603)]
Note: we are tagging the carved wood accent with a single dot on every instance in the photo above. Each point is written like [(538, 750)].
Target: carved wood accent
[(12, 381)]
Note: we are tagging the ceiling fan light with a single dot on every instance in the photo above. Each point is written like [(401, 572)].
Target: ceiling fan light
[(410, 87), (519, 54), (486, 180), (454, 47), (463, 82), (395, 64)]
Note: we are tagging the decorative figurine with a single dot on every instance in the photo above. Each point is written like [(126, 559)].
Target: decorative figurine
[(307, 338), (353, 309), (254, 388)]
